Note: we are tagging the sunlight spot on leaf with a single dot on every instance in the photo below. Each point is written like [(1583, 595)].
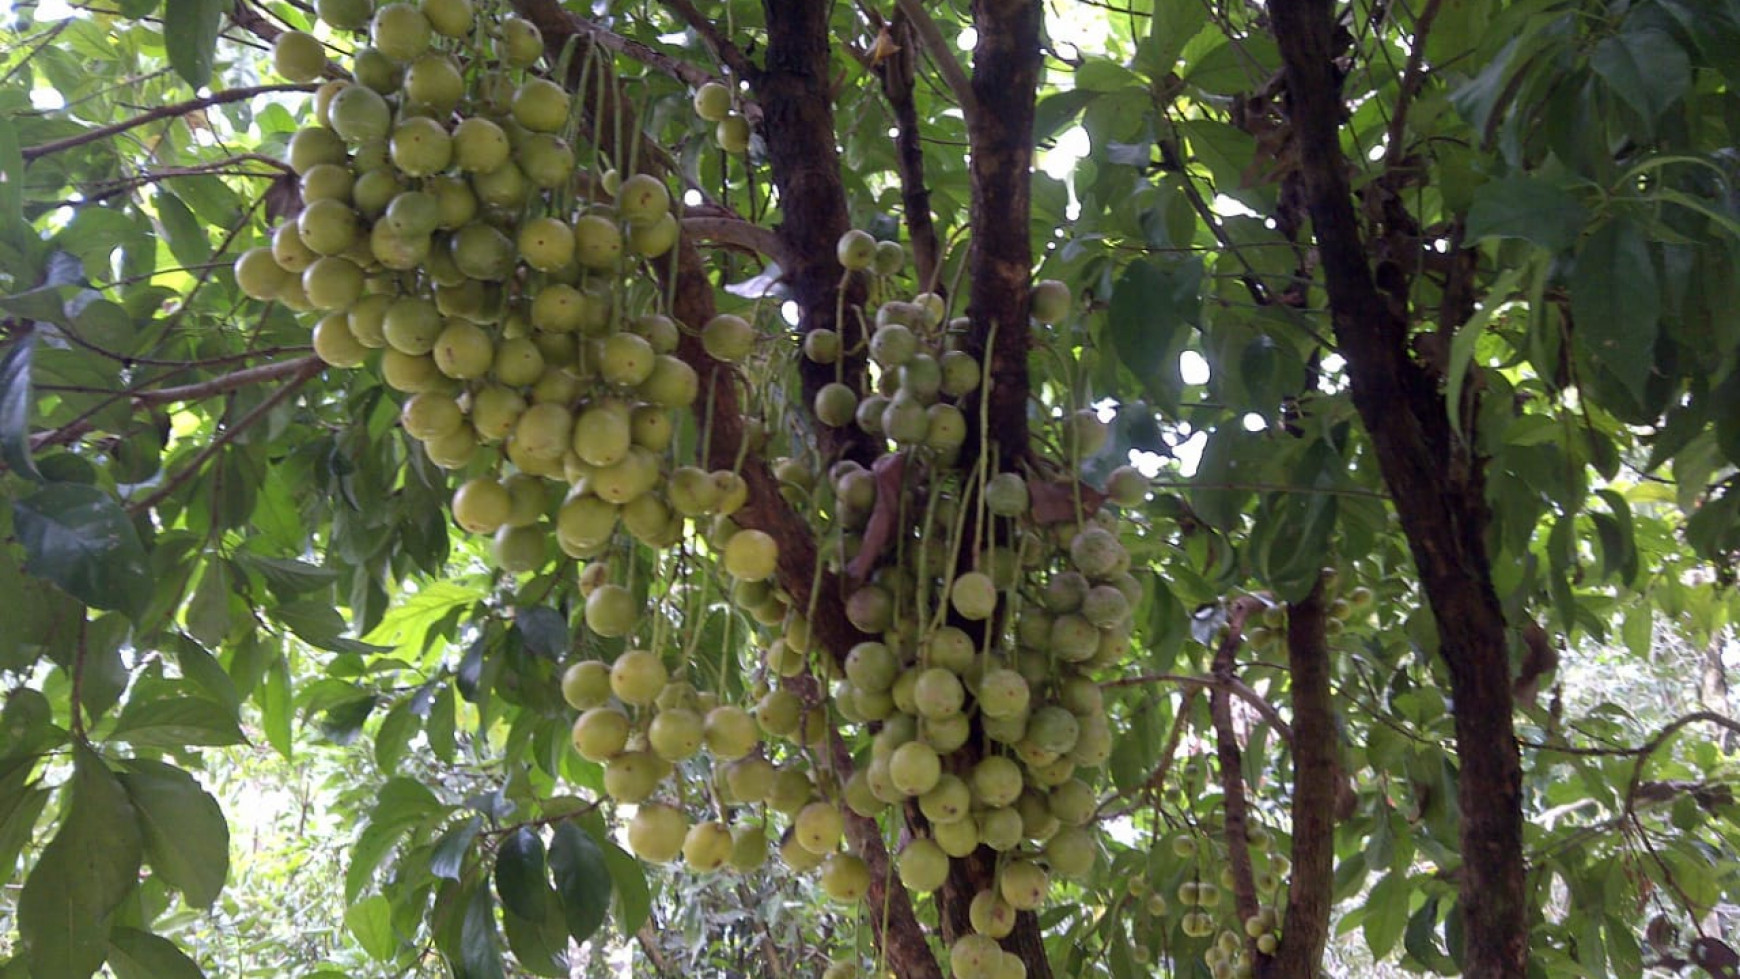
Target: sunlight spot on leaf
[(1254, 422), (1192, 367), (968, 40)]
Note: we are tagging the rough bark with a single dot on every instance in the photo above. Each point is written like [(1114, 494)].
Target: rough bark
[(1310, 894), (1006, 62), (1436, 484), (897, 74), (798, 122)]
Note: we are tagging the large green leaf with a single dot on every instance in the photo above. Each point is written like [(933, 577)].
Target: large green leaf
[(1646, 68), (479, 955), (520, 876), (176, 721), (135, 954), (370, 921), (1154, 305), (16, 406), (186, 839), (78, 537), (190, 32), (21, 804), (1529, 207), (1616, 304), (582, 879), (84, 874)]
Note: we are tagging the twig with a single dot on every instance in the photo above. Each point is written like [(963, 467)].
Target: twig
[(161, 112), (682, 71), (896, 72), (728, 54), (309, 368), (1232, 774), (1231, 684), (1413, 75), (227, 382), (1654, 744)]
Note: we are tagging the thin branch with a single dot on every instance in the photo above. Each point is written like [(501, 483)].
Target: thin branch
[(1654, 744), (946, 63), (738, 233), (1412, 77), (309, 368), (1230, 684), (161, 112), (682, 71), (896, 72), (728, 54), (227, 382), (1232, 769)]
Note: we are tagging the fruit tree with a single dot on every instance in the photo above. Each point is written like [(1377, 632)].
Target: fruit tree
[(1042, 487)]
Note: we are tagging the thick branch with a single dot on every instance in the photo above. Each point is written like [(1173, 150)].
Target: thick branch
[(934, 44), (676, 68), (1310, 896), (1232, 769), (1439, 493), (798, 115), (896, 72), (736, 233), (161, 112), (1006, 64)]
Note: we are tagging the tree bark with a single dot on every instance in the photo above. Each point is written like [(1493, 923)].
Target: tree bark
[(1437, 487), (1310, 896)]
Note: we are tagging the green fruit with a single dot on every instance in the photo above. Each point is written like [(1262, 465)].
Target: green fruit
[(845, 878), (915, 768), (996, 781), (730, 732), (409, 372), (375, 70), (712, 102), (779, 713), (823, 347), (504, 189), (656, 238), (728, 338), (923, 865), (419, 147), (836, 404), (345, 15), (938, 693), (430, 415), (520, 44), (974, 596), (1072, 853), (818, 827), (411, 325), (258, 274), (334, 344), (327, 227), (463, 350), (732, 134), (597, 242), (797, 858), (601, 733), (751, 555), (672, 383), (856, 250), (750, 779), (433, 83), (974, 957), (626, 360), (748, 848), (400, 31), (449, 18), (642, 200), (547, 244), (298, 56), (611, 611), (990, 915), (586, 684), (675, 734), (541, 106), (602, 436), (1096, 552), (947, 801), (638, 675), (1023, 884), (482, 252), (657, 832), (707, 846), (1001, 829), (546, 160), (482, 505), (1003, 693), (1050, 301), (1053, 729)]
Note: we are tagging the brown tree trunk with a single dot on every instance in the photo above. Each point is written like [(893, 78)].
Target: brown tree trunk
[(1437, 487)]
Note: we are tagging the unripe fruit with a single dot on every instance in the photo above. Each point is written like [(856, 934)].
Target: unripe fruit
[(1006, 495), (973, 957), (1050, 301), (541, 106), (947, 801), (521, 44), (856, 250), (728, 338), (996, 781), (657, 832), (938, 693), (1071, 852), (481, 505), (836, 404), (1023, 884), (637, 676), (586, 685), (915, 768), (957, 839), (751, 555), (750, 779), (298, 56), (601, 733), (611, 611), (730, 732), (675, 734), (990, 915), (632, 777), (707, 846), (818, 827), (974, 596), (732, 134), (712, 102), (923, 865)]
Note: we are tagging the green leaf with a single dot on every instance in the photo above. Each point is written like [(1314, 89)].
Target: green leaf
[(582, 879), (190, 32), (1386, 913), (186, 840), (15, 407), (1154, 306), (78, 537), (1467, 336), (208, 611), (479, 955), (1238, 65), (84, 874), (448, 859), (186, 235), (276, 706), (1616, 304), (394, 735), (520, 877), (544, 630), (1529, 207), (371, 921), (21, 805), (633, 895), (174, 722), (137, 954), (1646, 68)]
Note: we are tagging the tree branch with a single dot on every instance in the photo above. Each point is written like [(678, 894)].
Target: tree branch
[(682, 71), (228, 382), (1232, 769), (308, 368), (728, 54), (161, 112), (896, 72), (737, 233), (1230, 684), (947, 65), (1310, 895)]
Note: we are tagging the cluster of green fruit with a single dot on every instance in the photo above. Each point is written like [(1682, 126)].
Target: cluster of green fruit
[(713, 104), (1208, 915), (978, 691), (443, 223)]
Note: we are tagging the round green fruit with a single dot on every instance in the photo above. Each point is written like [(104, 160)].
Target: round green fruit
[(707, 846), (586, 684), (845, 878), (601, 733), (751, 555), (401, 32), (712, 102), (298, 56), (732, 134), (482, 505), (657, 832), (923, 865), (611, 611), (675, 734)]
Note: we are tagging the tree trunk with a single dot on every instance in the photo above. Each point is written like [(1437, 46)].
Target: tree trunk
[(1437, 486)]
